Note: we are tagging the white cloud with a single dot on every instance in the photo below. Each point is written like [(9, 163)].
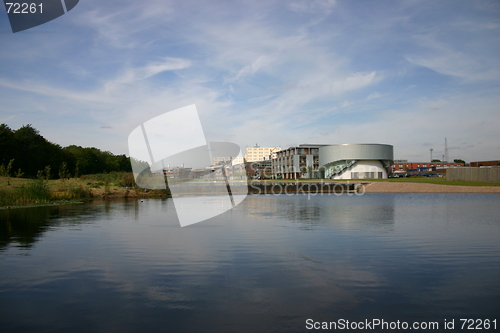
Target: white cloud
[(458, 48), (311, 6), (261, 61), (136, 74), (457, 64), (373, 96), (39, 88), (345, 104), (353, 82)]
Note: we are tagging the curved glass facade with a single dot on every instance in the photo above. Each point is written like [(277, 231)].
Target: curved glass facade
[(355, 161)]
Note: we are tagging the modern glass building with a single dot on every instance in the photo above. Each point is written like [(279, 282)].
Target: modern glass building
[(355, 161), (344, 161)]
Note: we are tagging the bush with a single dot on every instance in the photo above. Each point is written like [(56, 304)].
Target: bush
[(122, 179), (127, 180), (80, 192)]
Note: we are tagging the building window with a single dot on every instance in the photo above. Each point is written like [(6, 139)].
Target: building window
[(380, 175), (354, 175)]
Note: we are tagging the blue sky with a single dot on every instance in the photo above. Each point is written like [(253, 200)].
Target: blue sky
[(276, 73)]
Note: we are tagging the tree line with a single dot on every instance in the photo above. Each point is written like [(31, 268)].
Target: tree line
[(26, 153)]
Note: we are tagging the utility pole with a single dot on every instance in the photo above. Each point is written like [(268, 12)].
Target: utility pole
[(431, 153)]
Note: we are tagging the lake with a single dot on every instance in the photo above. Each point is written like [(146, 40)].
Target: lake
[(283, 263)]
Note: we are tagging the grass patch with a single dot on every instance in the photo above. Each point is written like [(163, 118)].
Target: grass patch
[(433, 180), (34, 191), (107, 186), (425, 180)]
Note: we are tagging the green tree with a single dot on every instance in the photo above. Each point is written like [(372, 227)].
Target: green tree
[(77, 170), (63, 171), (438, 161), (35, 152), (5, 170), (19, 173), (32, 152), (459, 161), (46, 172), (8, 145)]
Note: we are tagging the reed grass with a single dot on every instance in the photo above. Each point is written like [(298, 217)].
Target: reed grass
[(35, 191)]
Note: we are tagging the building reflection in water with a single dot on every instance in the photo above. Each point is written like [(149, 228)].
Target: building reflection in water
[(352, 211)]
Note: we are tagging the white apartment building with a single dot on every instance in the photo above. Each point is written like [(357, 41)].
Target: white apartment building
[(255, 154), (227, 160)]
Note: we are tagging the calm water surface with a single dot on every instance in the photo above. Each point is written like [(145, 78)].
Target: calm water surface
[(266, 266)]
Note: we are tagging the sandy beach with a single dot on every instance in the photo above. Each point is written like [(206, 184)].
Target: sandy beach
[(390, 187)]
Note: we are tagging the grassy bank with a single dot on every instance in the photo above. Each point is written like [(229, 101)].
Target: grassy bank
[(21, 191), (434, 180)]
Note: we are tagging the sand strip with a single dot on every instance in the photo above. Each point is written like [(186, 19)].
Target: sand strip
[(389, 187)]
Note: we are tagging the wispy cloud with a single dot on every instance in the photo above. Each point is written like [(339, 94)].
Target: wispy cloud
[(142, 73), (38, 88), (311, 6), (373, 96)]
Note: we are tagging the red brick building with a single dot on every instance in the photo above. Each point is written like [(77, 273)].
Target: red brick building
[(401, 166), (484, 163)]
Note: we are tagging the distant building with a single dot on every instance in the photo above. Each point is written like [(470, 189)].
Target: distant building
[(259, 170), (400, 167), (227, 160), (220, 160), (177, 172), (295, 162), (198, 173), (257, 153), (485, 163), (238, 160)]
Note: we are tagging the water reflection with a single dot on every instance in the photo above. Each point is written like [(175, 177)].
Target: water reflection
[(22, 225), (25, 226), (265, 266), (370, 211), (367, 211)]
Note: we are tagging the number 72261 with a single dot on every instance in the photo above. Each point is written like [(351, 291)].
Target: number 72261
[(23, 8)]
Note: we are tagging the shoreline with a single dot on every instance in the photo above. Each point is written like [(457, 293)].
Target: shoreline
[(408, 187), (361, 188)]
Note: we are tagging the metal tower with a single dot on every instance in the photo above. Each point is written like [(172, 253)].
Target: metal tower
[(445, 150)]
